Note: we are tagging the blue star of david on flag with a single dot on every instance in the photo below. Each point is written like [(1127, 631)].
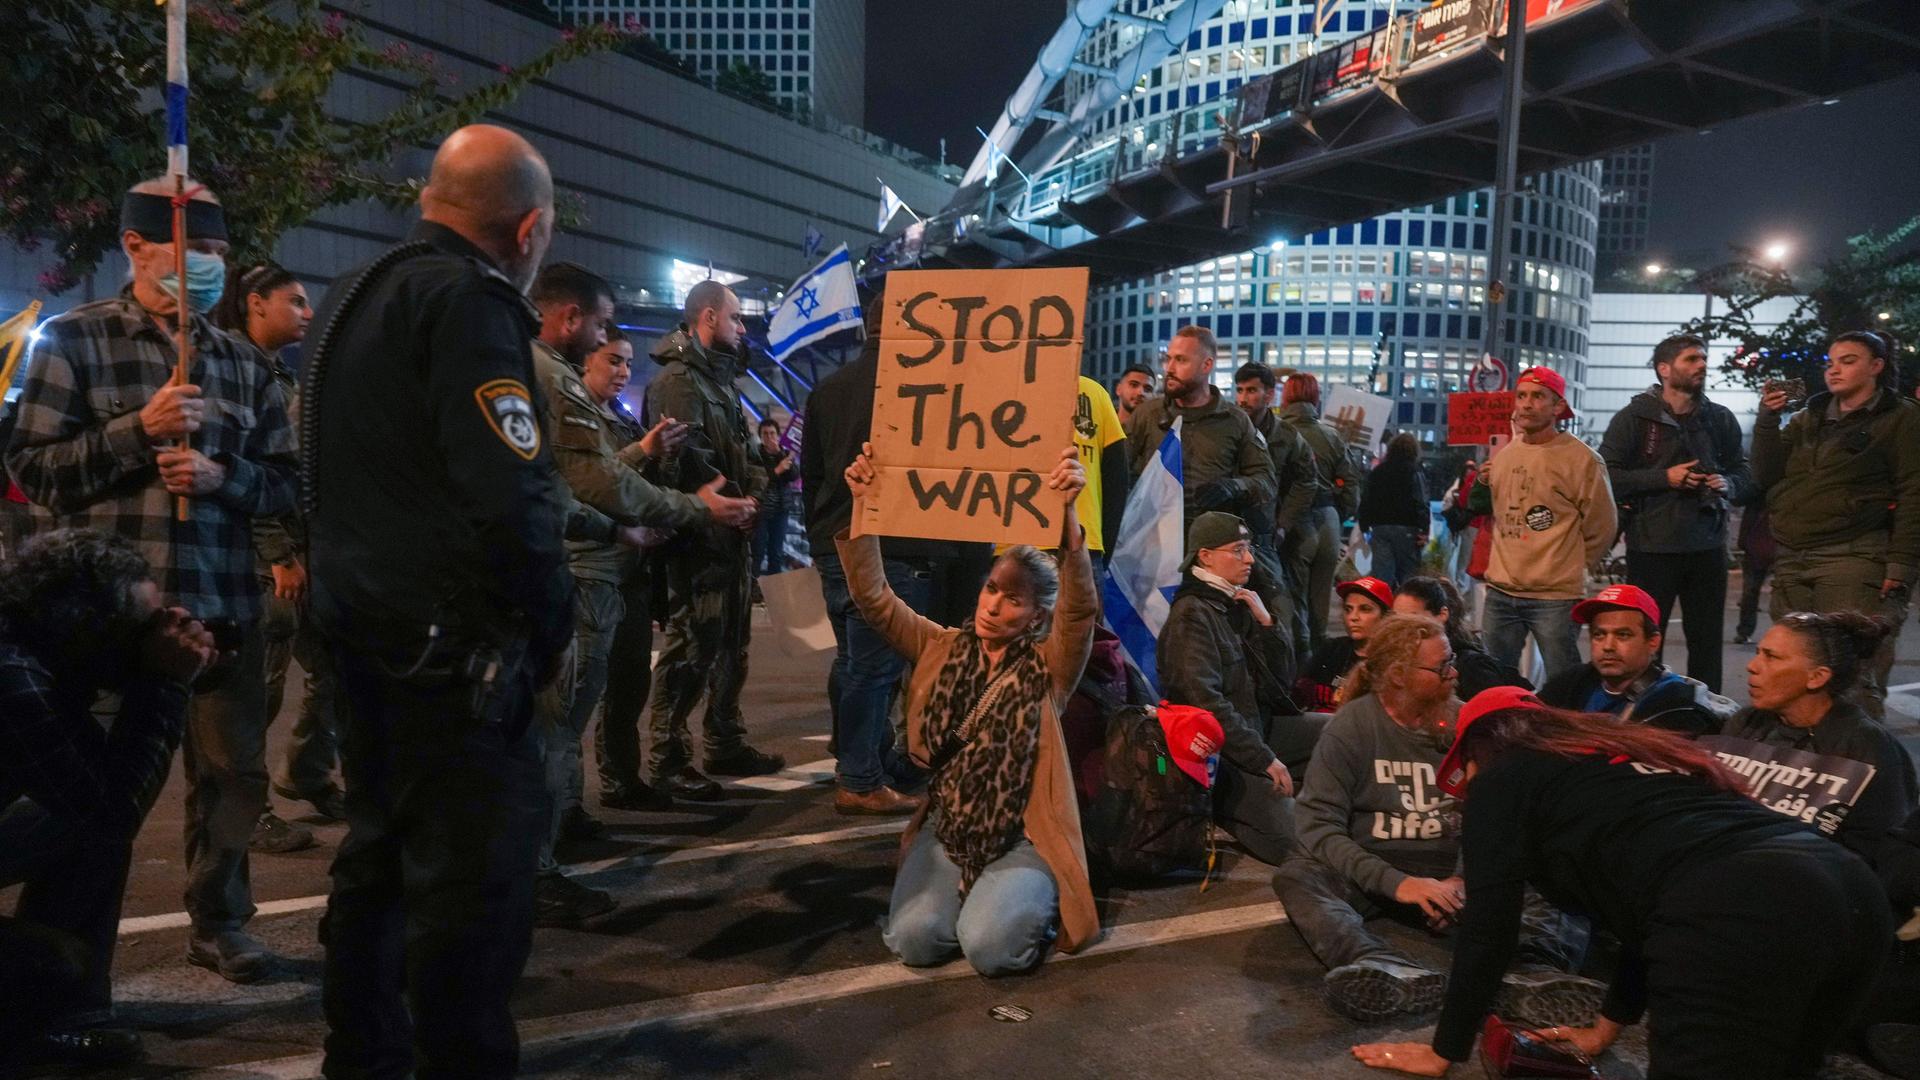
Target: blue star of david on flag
[(824, 301), (808, 301)]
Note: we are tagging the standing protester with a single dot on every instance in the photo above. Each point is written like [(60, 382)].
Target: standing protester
[(1843, 491), (770, 529), (1312, 550), (1395, 511), (1438, 599), (1756, 562), (1224, 462), (1625, 677), (1713, 896), (97, 446), (1677, 467), (997, 870), (872, 772), (1295, 473), (80, 616), (1207, 658), (269, 307), (1552, 516), (1135, 385), (1102, 443), (602, 474), (440, 584), (708, 571)]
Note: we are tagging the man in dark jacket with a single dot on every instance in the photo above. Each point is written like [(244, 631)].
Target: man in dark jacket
[(1677, 468), (1224, 462), (1207, 657), (1312, 550), (1843, 491), (1295, 472), (709, 581), (1625, 676)]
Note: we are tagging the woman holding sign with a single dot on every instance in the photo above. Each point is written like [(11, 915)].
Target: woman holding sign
[(995, 860)]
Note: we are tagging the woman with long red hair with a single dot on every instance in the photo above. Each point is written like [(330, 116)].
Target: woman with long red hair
[(1749, 938)]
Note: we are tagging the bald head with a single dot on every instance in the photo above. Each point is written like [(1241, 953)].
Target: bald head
[(492, 187)]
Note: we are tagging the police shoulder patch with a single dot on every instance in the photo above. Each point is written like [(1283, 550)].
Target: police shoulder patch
[(508, 409)]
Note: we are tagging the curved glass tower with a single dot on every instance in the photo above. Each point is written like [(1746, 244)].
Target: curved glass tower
[(1393, 304)]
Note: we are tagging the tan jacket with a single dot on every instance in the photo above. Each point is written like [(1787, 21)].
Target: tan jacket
[(1053, 815), (1553, 515)]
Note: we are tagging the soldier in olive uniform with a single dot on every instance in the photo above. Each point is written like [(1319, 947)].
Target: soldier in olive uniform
[(602, 471), (708, 579)]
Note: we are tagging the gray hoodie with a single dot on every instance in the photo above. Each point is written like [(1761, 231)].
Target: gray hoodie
[(1369, 807)]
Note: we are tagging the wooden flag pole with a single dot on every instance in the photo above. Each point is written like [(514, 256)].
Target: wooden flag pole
[(177, 163)]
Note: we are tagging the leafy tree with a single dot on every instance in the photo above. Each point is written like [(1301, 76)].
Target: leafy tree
[(81, 87), (748, 82), (1874, 285)]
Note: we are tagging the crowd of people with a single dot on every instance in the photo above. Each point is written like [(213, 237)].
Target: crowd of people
[(465, 535)]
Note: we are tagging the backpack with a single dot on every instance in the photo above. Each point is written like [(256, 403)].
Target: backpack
[(1148, 819)]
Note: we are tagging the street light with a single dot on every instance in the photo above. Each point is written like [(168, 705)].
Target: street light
[(1886, 316), (1776, 252), (1654, 268)]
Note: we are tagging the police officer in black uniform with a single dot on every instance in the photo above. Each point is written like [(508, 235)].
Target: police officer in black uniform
[(440, 585)]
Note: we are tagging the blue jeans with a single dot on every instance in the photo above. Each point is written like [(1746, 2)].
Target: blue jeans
[(865, 670), (1396, 553), (1002, 926), (770, 542), (1509, 619)]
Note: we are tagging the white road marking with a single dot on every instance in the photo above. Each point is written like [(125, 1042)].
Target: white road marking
[(789, 779), (658, 856), (763, 997), (816, 738)]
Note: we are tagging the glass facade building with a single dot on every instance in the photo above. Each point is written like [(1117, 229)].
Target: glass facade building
[(1393, 305)]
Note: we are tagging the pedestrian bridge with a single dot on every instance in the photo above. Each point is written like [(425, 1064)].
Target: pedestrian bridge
[(1401, 115)]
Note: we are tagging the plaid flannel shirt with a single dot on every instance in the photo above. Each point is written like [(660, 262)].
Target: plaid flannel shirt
[(80, 455), (54, 752)]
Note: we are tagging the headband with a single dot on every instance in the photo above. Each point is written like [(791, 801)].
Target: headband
[(152, 217)]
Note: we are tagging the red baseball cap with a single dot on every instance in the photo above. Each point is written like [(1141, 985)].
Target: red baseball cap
[(1193, 736), (1553, 381), (1617, 598), (1371, 587), (1453, 771)]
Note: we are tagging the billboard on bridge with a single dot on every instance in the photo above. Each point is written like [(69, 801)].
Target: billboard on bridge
[(1354, 62), (1448, 24)]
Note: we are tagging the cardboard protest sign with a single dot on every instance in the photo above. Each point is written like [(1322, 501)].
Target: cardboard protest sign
[(1815, 788), (1474, 419), (797, 611), (1360, 418), (973, 402)]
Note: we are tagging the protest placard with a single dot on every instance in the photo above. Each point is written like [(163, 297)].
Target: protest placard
[(973, 402), (1474, 419), (1818, 789), (1360, 418)]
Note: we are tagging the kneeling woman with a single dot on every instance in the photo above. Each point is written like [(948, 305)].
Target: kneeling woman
[(1749, 938), (995, 861)]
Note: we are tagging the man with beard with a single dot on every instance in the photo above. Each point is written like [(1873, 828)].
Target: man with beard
[(1224, 462), (1134, 387), (440, 584), (80, 615), (1677, 468)]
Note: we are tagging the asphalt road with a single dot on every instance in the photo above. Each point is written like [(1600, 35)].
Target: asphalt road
[(746, 943)]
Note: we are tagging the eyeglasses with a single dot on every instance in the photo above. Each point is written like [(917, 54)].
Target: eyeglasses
[(1446, 670)]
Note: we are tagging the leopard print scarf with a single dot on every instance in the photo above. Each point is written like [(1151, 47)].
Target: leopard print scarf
[(981, 793)]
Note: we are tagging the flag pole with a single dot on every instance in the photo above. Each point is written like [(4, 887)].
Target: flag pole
[(177, 165)]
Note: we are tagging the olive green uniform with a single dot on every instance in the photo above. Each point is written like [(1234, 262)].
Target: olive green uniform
[(1312, 550)]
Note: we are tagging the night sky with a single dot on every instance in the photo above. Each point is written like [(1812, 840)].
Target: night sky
[(938, 67)]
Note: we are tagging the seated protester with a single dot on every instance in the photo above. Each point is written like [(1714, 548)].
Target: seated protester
[(80, 616), (1377, 837), (996, 858), (1801, 681), (1436, 598), (1363, 602), (1202, 659), (1625, 678), (1749, 938)]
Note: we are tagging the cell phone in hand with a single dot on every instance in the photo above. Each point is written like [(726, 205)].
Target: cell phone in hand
[(1795, 389)]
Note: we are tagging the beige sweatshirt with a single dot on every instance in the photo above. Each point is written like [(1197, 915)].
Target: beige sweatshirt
[(1553, 515)]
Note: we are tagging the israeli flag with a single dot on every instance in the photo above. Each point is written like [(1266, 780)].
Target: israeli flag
[(890, 204), (1143, 566), (823, 301)]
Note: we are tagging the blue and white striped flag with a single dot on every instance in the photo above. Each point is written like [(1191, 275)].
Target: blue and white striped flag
[(1143, 567), (176, 87), (1323, 14), (823, 301)]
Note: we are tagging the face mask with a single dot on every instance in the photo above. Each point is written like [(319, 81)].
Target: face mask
[(206, 280)]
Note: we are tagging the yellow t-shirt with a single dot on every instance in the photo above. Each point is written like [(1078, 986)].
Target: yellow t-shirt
[(1096, 426)]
